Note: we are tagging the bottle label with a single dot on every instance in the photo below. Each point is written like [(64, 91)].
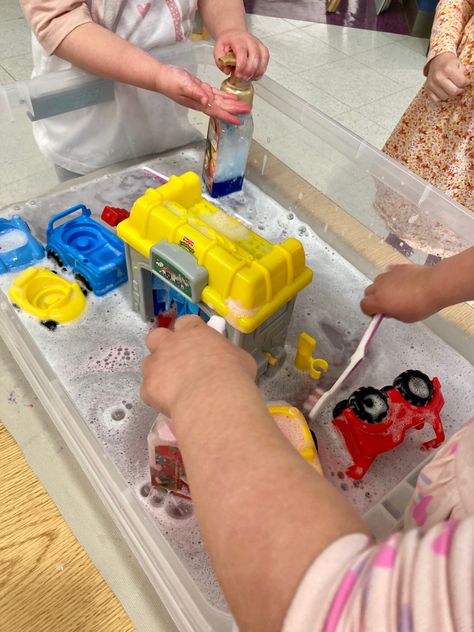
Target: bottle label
[(210, 153)]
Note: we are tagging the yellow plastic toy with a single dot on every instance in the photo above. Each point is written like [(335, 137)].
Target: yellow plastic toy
[(237, 273), (304, 360), (47, 296), (293, 425), (174, 238)]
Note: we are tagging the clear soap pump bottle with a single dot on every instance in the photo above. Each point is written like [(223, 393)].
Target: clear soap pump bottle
[(227, 145)]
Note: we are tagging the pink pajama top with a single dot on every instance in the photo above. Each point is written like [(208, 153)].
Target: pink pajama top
[(421, 580)]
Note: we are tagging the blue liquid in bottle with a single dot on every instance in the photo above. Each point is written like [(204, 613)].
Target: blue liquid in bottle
[(227, 150), (228, 145)]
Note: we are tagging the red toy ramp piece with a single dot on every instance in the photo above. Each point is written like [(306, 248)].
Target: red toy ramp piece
[(113, 215)]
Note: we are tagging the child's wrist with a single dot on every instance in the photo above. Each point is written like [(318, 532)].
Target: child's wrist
[(211, 391)]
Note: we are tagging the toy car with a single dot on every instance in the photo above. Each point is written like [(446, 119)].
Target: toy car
[(96, 256), (18, 247), (373, 421)]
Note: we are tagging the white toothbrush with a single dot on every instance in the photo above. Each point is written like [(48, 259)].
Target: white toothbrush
[(356, 359)]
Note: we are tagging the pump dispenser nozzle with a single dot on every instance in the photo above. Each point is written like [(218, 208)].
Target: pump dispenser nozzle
[(241, 88)]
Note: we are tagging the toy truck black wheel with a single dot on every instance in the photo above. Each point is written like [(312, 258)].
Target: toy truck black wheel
[(415, 387), (369, 404), (83, 282), (52, 254), (339, 407), (314, 438)]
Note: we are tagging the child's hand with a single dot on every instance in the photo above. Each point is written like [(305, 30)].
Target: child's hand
[(406, 292), (250, 53), (446, 77), (190, 362), (182, 87)]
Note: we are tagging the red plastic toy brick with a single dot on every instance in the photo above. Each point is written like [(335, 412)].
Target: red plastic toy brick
[(374, 421), (113, 215)]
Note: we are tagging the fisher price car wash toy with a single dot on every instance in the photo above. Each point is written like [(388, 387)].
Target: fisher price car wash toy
[(178, 242)]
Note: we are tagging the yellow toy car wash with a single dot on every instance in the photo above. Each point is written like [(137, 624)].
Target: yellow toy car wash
[(179, 244)]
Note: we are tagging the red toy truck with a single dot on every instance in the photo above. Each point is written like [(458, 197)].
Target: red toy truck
[(373, 421)]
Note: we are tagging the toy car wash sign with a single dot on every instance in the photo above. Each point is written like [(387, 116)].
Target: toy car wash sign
[(178, 268), (169, 273)]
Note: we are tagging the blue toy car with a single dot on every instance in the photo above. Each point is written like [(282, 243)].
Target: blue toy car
[(96, 256), (18, 248)]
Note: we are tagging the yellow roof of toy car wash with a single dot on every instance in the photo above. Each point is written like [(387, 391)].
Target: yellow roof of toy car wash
[(249, 279)]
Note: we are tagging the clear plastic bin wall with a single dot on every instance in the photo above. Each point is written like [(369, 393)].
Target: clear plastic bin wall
[(348, 191), (356, 176)]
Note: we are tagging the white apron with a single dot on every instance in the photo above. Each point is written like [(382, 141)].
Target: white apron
[(138, 122)]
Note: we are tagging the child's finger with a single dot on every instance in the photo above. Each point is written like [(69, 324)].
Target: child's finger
[(188, 322), (224, 115), (156, 338), (449, 87), (367, 305), (224, 95), (457, 75), (264, 56), (240, 52), (369, 290)]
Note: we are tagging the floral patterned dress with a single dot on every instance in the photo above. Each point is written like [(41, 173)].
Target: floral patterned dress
[(435, 140)]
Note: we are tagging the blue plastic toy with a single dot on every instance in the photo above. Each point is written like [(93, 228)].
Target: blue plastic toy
[(18, 248), (166, 298), (96, 256)]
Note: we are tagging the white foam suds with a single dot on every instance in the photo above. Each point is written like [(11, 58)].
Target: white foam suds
[(12, 239)]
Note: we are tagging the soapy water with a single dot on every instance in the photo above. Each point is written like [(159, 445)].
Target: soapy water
[(12, 239), (92, 369)]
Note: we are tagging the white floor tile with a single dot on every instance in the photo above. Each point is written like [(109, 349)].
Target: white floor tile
[(315, 161), (418, 44), (19, 67), (351, 82), (9, 9), (349, 41), (388, 110), (298, 51), (314, 95), (278, 72), (299, 24), (395, 61), (14, 38), (263, 26), (372, 132), (5, 77)]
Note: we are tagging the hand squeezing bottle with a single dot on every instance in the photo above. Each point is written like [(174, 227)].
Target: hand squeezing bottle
[(227, 145)]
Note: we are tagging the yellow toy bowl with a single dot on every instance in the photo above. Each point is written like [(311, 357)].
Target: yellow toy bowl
[(47, 296)]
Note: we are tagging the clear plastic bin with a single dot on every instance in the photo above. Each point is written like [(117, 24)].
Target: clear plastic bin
[(307, 177)]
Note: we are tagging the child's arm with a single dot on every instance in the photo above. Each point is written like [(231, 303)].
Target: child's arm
[(227, 24), (263, 512), (413, 292), (446, 76), (66, 30), (289, 551)]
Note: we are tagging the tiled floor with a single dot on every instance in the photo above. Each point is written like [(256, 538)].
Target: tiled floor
[(362, 79)]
